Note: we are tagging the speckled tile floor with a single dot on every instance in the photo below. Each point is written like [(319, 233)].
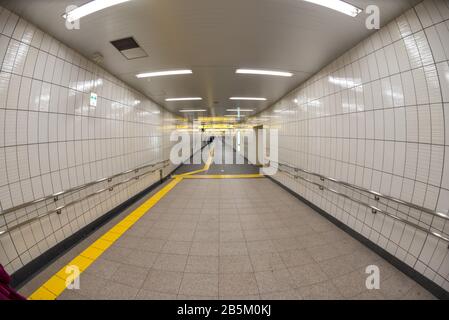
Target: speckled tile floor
[(237, 239)]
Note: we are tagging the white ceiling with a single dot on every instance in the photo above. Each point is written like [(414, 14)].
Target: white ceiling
[(213, 38)]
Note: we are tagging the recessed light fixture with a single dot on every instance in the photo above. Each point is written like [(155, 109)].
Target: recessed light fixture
[(184, 99), (338, 5), (241, 110), (163, 73), (264, 72), (193, 110), (89, 8), (247, 98)]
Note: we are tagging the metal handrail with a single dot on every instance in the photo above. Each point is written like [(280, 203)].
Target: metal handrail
[(375, 193), (374, 209), (109, 188), (78, 188)]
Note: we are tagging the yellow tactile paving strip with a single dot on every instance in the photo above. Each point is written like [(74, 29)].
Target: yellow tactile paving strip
[(225, 176), (205, 168), (51, 289)]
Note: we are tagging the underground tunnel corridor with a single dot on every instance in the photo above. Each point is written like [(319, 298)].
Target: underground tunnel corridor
[(209, 150)]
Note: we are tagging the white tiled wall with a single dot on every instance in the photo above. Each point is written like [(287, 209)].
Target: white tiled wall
[(52, 140), (378, 117)]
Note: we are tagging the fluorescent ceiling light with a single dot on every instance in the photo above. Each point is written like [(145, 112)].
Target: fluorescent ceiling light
[(339, 6), (241, 110), (193, 110), (234, 115), (184, 99), (89, 8), (247, 98), (163, 73), (264, 72)]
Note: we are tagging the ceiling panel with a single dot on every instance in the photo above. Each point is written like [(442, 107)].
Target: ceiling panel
[(213, 38)]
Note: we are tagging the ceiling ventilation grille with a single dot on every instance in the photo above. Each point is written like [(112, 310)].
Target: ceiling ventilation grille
[(129, 48)]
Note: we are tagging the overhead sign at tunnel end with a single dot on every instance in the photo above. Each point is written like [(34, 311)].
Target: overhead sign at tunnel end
[(93, 99)]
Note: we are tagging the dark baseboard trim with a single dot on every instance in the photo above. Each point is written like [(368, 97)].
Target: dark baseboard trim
[(31, 269), (34, 267), (429, 285)]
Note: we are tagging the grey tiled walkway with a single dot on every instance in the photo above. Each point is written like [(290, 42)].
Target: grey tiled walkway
[(242, 239)]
